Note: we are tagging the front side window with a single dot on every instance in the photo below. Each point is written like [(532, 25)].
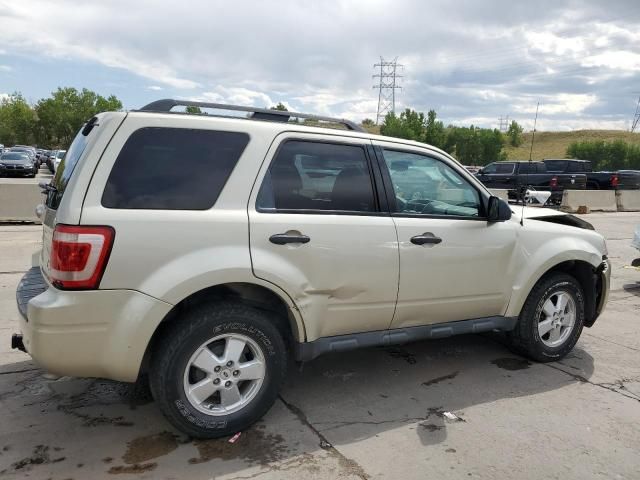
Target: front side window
[(499, 168), (317, 176), (172, 168), (425, 185)]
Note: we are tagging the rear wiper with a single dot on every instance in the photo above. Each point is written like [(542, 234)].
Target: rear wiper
[(47, 187)]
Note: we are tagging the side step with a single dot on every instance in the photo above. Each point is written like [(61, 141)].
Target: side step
[(340, 343)]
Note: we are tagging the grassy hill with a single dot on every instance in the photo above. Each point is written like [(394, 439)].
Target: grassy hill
[(554, 144)]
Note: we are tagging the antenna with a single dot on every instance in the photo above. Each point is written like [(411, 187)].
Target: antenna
[(533, 136)]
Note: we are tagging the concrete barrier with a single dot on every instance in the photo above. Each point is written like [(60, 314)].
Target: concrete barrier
[(18, 202), (594, 200), (500, 193), (628, 200)]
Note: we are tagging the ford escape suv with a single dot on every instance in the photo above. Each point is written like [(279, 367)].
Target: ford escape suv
[(206, 250)]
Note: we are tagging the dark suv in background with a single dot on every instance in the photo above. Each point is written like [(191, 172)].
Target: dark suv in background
[(616, 180)]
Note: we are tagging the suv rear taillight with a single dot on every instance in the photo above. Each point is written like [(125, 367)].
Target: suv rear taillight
[(614, 181), (554, 182), (79, 256)]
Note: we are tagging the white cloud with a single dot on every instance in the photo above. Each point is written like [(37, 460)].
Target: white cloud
[(469, 64), (6, 68)]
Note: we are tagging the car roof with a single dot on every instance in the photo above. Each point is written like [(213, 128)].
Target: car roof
[(163, 108)]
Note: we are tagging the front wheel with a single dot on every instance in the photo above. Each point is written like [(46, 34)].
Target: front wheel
[(551, 320), (218, 370)]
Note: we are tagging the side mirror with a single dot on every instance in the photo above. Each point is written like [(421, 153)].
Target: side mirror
[(498, 210), (480, 171)]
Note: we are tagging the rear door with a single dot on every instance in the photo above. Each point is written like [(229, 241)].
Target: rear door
[(319, 231)]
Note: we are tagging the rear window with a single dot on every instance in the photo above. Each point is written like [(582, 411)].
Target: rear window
[(173, 169)]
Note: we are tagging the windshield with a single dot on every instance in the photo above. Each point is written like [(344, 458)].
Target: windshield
[(65, 169), (14, 156)]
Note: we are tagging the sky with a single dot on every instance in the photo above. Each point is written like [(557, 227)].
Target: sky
[(472, 61)]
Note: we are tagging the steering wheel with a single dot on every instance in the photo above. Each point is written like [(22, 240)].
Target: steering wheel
[(419, 206)]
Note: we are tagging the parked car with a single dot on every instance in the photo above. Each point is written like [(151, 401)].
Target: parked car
[(59, 155), (30, 151), (202, 250), (620, 180), (517, 175), (17, 164), (49, 160)]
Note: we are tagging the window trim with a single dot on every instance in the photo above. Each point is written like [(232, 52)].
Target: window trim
[(388, 183), (380, 201), (166, 127)]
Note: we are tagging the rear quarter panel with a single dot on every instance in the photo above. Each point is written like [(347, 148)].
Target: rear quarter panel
[(170, 254)]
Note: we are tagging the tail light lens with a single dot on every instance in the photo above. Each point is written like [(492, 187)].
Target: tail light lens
[(554, 182), (614, 180), (79, 256)]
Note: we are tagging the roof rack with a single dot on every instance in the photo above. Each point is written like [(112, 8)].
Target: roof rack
[(167, 104)]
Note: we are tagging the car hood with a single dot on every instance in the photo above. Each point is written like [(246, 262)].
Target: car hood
[(16, 162), (535, 212), (552, 216)]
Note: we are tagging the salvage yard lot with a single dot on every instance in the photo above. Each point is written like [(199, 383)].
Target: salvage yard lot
[(377, 413)]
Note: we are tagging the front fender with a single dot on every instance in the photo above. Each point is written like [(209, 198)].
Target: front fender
[(539, 259)]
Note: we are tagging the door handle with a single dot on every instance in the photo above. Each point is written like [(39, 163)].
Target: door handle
[(283, 238), (425, 239)]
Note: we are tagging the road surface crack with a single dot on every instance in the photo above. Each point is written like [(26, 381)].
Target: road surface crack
[(348, 464)]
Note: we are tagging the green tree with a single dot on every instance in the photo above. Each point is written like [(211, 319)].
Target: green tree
[(61, 116), (616, 155), (368, 123), (515, 134), (280, 106), (434, 131), (192, 109), (17, 121), (475, 146), (410, 125)]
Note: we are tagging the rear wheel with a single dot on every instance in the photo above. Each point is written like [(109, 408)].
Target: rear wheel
[(551, 320), (218, 370)]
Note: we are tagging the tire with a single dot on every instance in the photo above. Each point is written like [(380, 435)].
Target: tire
[(526, 338), (170, 379)]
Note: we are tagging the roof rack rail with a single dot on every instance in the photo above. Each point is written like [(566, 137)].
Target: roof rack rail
[(167, 104)]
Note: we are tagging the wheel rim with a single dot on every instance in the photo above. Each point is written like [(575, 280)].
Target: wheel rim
[(557, 318), (224, 374)]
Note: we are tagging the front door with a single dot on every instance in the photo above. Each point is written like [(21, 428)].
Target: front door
[(319, 232), (453, 264)]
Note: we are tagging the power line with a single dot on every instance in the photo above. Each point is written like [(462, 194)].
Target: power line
[(387, 86)]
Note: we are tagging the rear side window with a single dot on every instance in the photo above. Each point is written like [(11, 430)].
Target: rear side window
[(318, 176), (173, 168)]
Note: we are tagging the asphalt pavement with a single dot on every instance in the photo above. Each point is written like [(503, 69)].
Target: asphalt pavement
[(463, 407)]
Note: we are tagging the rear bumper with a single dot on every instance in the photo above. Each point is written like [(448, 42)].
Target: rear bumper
[(97, 333)]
